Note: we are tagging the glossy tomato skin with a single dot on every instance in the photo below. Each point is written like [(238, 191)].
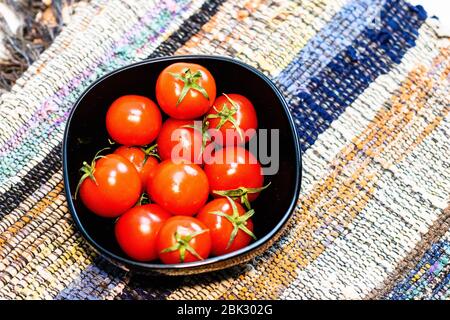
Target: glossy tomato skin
[(234, 167), (221, 228), (137, 229), (117, 187), (194, 104), (180, 188), (175, 136), (136, 156), (184, 226), (245, 117), (133, 120)]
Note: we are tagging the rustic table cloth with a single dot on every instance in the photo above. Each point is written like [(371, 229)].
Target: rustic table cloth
[(367, 83)]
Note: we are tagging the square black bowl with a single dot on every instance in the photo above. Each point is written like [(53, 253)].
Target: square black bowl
[(86, 133)]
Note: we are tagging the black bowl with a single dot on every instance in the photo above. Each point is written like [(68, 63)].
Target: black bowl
[(86, 134)]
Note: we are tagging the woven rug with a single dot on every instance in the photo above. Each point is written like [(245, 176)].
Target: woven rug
[(368, 85)]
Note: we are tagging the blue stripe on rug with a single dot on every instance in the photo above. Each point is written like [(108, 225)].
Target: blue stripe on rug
[(373, 53), (433, 266), (348, 23)]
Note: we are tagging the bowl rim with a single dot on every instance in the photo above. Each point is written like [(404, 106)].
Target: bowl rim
[(128, 262)]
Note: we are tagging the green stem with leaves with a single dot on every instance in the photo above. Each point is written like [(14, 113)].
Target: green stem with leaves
[(151, 152), (239, 222), (190, 81), (88, 170), (240, 193), (227, 115), (182, 245)]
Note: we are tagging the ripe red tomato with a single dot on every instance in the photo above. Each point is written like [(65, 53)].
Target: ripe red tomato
[(230, 226), (136, 231), (175, 136), (185, 90), (180, 188), (235, 114), (109, 185), (144, 164), (183, 239), (133, 120), (234, 172)]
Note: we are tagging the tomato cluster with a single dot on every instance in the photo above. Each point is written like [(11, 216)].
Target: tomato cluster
[(172, 200)]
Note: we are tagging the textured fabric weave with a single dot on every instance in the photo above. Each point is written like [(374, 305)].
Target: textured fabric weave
[(368, 85)]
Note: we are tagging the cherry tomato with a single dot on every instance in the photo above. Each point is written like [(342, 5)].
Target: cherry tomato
[(136, 231), (180, 188), (110, 185), (176, 136), (234, 172), (230, 226), (183, 239), (185, 90), (133, 120), (144, 164), (233, 114)]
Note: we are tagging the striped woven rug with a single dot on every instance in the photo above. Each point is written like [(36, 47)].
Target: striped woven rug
[(368, 85)]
